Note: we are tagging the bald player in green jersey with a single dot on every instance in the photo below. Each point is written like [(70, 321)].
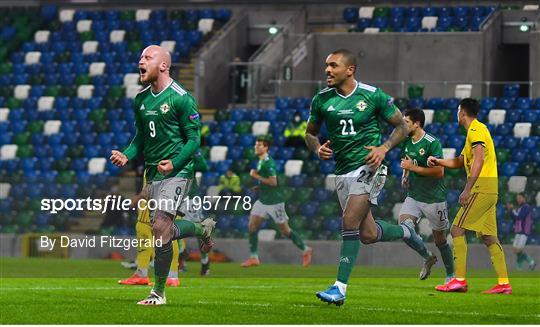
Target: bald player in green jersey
[(167, 135), (352, 112)]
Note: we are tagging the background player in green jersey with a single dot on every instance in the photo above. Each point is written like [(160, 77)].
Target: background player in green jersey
[(167, 135), (426, 192), (352, 112), (270, 203)]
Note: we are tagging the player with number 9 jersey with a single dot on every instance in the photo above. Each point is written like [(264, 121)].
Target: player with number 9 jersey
[(163, 123)]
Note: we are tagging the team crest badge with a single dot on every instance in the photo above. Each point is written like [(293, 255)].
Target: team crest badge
[(362, 105), (164, 108), (422, 151)]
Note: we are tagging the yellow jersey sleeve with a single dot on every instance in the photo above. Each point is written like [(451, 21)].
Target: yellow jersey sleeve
[(478, 135), (143, 216)]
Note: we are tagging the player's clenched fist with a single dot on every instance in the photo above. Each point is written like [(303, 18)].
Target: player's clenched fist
[(165, 167), (432, 161), (325, 153), (118, 158)]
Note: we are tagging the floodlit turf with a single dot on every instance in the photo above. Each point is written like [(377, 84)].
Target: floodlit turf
[(44, 291)]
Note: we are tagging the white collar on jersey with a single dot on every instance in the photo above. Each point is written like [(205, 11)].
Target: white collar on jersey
[(348, 95), (156, 95)]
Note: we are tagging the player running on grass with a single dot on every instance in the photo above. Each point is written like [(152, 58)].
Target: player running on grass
[(426, 192), (478, 200), (270, 203), (168, 134), (351, 111)]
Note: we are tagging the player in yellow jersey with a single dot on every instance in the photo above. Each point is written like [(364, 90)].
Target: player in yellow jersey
[(478, 200), (145, 254)]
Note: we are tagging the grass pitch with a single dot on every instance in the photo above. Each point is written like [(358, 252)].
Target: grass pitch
[(47, 291)]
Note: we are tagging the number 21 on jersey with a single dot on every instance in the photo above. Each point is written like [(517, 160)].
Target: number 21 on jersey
[(347, 127)]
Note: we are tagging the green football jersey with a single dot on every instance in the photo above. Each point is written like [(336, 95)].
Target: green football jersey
[(163, 122), (353, 121), (422, 188), (269, 194)]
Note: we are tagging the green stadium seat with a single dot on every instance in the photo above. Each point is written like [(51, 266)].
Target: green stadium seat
[(36, 79), (245, 179), (381, 12), (287, 193), (134, 46), (98, 115), (62, 165), (22, 138), (401, 103), (178, 14), (442, 116), (64, 57), (533, 183), (503, 183), (328, 209), (315, 181), (502, 155), (25, 151), (415, 91), (66, 177), (117, 91), (302, 195), (24, 219), (68, 91), (12, 103), (506, 197), (35, 127), (111, 101), (5, 68), (76, 151), (243, 127), (86, 36), (527, 169), (535, 130), (35, 205), (127, 15), (221, 115), (292, 208), (297, 222), (301, 153), (52, 91), (249, 154), (310, 167), (102, 127), (83, 80), (241, 165)]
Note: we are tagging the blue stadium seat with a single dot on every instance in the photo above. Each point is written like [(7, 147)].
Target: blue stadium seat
[(380, 22), (397, 11), (58, 152), (417, 103), (519, 155), (412, 24), (279, 140), (536, 104), (461, 11), (362, 24), (511, 142), (227, 127), (511, 90), (332, 224), (504, 129), (414, 11), (309, 209), (350, 15), (435, 103), (238, 114), (210, 178), (254, 115), (488, 103), (523, 103), (270, 115), (328, 167), (214, 139), (509, 169), (88, 139), (223, 15), (505, 103), (231, 139), (531, 142), (512, 116), (278, 127), (530, 116), (456, 141), (5, 137), (430, 11), (235, 153), (396, 22)]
